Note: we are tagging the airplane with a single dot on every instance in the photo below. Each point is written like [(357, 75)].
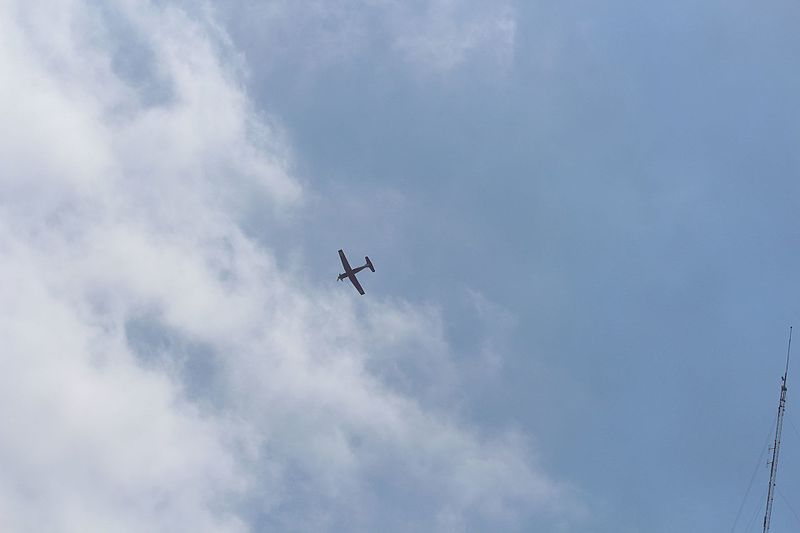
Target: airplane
[(351, 272)]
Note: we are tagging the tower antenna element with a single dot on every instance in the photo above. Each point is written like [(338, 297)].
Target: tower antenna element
[(773, 471)]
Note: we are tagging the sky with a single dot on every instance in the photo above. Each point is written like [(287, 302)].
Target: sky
[(583, 219)]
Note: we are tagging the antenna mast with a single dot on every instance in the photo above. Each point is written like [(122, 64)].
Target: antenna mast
[(773, 471)]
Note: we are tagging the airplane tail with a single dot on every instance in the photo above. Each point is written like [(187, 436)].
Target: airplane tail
[(369, 264)]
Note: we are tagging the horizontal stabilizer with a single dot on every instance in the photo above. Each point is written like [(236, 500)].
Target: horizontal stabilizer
[(369, 264)]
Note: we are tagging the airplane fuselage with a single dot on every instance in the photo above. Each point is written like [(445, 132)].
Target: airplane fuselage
[(351, 272)]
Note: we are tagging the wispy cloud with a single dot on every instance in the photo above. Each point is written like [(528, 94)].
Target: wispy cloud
[(432, 37), (161, 372), (446, 33)]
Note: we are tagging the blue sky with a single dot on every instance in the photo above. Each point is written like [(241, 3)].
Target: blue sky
[(583, 220), (623, 187)]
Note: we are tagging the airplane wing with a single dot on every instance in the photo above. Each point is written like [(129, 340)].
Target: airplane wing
[(345, 264), (356, 284)]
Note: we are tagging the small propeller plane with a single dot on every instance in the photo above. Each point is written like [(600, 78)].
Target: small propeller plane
[(351, 272)]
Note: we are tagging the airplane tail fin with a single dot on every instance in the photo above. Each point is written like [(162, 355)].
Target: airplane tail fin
[(369, 264)]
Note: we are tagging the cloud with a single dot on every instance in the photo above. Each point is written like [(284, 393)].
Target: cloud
[(448, 32), (433, 37), (161, 371)]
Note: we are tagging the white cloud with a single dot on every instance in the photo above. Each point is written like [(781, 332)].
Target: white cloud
[(435, 36), (161, 373), (447, 32)]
